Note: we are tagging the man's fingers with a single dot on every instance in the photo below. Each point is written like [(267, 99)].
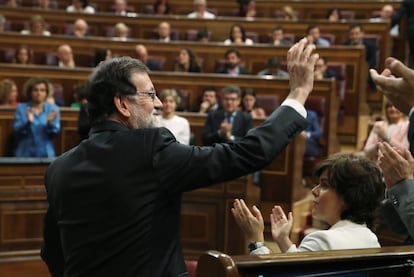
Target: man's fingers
[(396, 67)]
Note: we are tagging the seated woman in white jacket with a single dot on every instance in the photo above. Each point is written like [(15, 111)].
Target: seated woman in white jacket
[(178, 126), (348, 192)]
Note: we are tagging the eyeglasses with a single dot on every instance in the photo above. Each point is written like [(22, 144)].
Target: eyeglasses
[(150, 93)]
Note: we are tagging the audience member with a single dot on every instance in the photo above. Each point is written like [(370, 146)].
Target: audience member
[(397, 168), (178, 125), (314, 35), (407, 8), (164, 32), (312, 135), (278, 37), (322, 71), (187, 62), (120, 7), (203, 36), (334, 14), (249, 104), (162, 7), (200, 10), (273, 68), (46, 4), (2, 23), (101, 54), (37, 27), (247, 8), (142, 54), (356, 37), (80, 6), (65, 56), (55, 95), (386, 14), (347, 195), (233, 64), (394, 130), (23, 55), (36, 122), (11, 3), (125, 161), (209, 101), (80, 28), (230, 124), (289, 13), (8, 93), (237, 35), (121, 31)]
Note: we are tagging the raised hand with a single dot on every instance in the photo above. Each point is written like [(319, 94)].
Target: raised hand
[(281, 227), (251, 223), (301, 66), (397, 84)]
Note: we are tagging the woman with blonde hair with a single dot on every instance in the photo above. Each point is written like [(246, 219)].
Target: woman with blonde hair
[(178, 126), (8, 93), (393, 129)]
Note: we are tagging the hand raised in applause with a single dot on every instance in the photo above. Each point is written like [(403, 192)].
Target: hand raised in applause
[(301, 66), (225, 129), (397, 83), (51, 116), (281, 227), (395, 166), (251, 224), (29, 113)]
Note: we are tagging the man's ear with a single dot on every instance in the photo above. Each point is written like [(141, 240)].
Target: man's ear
[(122, 106)]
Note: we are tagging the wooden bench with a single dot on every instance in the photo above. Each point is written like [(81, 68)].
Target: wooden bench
[(265, 8), (385, 261)]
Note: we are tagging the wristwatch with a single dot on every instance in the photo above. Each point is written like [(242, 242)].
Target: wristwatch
[(253, 245)]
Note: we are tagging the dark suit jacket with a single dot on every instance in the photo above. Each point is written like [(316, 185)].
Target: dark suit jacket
[(242, 70), (241, 124), (115, 199), (411, 134), (370, 52)]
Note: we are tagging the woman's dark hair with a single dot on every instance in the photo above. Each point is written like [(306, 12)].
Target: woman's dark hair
[(31, 83), (194, 66), (111, 78), (100, 56), (162, 2), (29, 53), (358, 181), (248, 91), (331, 11), (242, 30)]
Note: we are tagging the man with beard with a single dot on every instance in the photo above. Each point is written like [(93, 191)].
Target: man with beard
[(233, 65), (115, 199)]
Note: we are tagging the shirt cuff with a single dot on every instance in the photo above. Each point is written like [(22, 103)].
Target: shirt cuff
[(411, 112), (296, 105), (263, 250)]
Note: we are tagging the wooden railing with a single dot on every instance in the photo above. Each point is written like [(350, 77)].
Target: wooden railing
[(386, 261)]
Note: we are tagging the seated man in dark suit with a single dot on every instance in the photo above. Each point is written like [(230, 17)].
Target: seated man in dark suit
[(312, 134), (356, 37), (142, 54), (322, 71), (233, 63), (229, 124), (209, 101)]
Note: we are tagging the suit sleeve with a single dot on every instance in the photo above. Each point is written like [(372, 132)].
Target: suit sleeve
[(401, 197), (182, 168), (51, 251), (210, 132)]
